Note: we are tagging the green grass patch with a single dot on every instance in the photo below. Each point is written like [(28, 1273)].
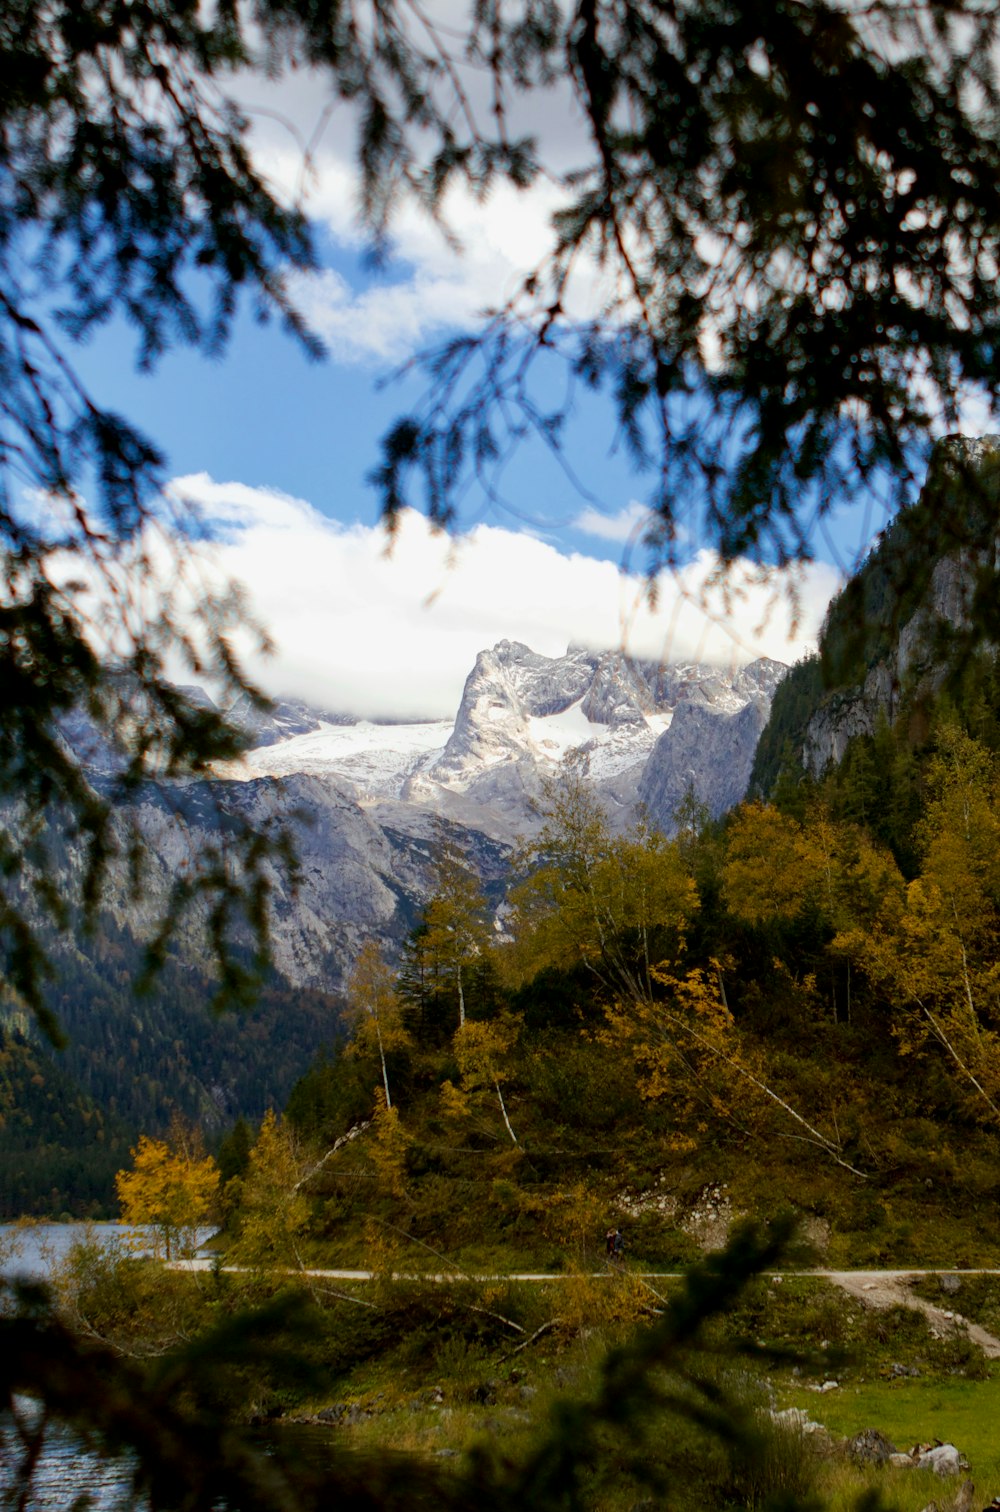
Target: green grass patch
[(962, 1412)]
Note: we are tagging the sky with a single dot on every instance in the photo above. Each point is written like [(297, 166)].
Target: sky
[(276, 450)]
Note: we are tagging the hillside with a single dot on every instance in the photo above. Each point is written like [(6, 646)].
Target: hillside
[(905, 625), (764, 1016)]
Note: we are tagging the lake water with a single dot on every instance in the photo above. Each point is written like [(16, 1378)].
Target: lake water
[(34, 1250), (66, 1469)]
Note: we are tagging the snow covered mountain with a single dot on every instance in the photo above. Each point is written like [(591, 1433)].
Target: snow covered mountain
[(372, 805), (643, 733)]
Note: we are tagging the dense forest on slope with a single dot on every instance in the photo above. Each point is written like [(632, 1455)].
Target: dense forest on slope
[(798, 1005), (58, 1148), (133, 1062)]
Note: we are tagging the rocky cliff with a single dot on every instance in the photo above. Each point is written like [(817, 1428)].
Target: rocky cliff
[(906, 619)]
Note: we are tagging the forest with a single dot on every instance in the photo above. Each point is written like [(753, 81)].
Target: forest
[(798, 1001), (776, 1033)]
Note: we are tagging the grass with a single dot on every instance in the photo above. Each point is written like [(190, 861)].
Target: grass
[(431, 1369), (961, 1412)]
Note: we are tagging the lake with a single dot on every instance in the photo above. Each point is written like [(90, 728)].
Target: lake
[(66, 1469), (34, 1250)]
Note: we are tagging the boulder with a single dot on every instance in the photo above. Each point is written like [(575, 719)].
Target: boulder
[(943, 1459), (870, 1447)]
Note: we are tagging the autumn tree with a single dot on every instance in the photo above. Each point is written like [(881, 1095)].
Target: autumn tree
[(274, 1212), (456, 932), (170, 1189), (617, 905), (933, 951), (687, 1047), (386, 1148), (483, 1051), (375, 1010), (802, 885)]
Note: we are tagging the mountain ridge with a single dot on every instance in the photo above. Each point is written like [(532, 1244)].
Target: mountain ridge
[(519, 716)]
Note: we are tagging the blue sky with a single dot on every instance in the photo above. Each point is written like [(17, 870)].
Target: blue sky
[(265, 413), (275, 449)]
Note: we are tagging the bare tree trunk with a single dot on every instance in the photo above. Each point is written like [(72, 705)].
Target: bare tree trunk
[(815, 1136), (946, 1042), (381, 1056), (503, 1110)]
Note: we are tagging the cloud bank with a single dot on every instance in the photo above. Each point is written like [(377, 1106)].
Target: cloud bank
[(375, 629)]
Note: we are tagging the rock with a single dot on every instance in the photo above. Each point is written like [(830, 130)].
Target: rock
[(950, 1284), (943, 1459), (797, 1418), (963, 1501), (898, 1370), (870, 1447), (708, 748), (946, 601)]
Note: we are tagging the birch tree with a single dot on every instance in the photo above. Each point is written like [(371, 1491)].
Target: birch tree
[(375, 1010)]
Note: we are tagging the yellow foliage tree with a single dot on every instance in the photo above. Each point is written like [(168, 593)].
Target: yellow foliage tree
[(457, 930), (616, 904), (778, 870), (387, 1149), (274, 1211), (482, 1051), (934, 950), (687, 1046), (172, 1191), (375, 1010)]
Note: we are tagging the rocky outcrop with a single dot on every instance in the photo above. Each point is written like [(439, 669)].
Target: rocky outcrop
[(280, 721), (618, 693), (706, 751), (363, 873), (370, 806), (915, 662), (641, 733)]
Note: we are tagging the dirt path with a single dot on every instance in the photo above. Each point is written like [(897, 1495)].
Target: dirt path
[(891, 1289), (872, 1288)]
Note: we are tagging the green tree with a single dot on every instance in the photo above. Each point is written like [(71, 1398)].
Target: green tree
[(790, 206), (457, 927)]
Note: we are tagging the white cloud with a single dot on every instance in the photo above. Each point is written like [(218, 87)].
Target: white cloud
[(361, 628), (627, 526), (434, 282), (434, 287)]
